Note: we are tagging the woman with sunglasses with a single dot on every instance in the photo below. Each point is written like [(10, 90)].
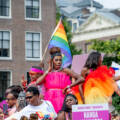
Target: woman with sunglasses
[(56, 79), (42, 108), (11, 99)]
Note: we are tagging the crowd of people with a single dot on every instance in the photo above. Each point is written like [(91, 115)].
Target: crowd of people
[(50, 94)]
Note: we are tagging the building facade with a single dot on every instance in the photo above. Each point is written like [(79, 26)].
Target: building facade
[(25, 29), (102, 25), (77, 11)]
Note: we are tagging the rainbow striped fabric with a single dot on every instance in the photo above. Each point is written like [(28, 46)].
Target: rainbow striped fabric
[(59, 39)]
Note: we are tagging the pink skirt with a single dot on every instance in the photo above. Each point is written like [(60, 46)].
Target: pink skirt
[(56, 97)]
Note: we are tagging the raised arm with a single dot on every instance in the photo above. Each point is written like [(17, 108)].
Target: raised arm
[(79, 78), (84, 72), (23, 82), (71, 73), (77, 82), (41, 79), (117, 90), (116, 78)]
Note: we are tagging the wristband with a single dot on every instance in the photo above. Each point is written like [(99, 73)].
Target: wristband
[(68, 86), (46, 72)]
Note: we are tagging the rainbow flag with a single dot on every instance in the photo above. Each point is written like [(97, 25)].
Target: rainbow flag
[(59, 39)]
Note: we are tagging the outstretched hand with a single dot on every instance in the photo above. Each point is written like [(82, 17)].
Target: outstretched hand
[(66, 90), (23, 81)]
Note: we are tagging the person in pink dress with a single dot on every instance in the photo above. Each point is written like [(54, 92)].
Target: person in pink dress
[(56, 79)]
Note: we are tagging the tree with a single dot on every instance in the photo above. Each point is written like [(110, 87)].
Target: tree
[(111, 48), (74, 50), (67, 27)]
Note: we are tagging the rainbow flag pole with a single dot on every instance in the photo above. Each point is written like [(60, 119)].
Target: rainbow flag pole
[(59, 39)]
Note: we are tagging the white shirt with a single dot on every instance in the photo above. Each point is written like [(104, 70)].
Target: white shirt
[(46, 108), (12, 116)]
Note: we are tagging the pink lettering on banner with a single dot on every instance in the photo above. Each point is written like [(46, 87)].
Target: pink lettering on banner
[(91, 115), (97, 107), (87, 107)]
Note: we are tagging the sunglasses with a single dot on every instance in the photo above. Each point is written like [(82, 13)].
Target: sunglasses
[(28, 97)]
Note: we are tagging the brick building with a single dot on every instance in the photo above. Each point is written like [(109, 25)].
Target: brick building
[(25, 28)]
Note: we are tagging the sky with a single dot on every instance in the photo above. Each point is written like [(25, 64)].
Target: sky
[(112, 4)]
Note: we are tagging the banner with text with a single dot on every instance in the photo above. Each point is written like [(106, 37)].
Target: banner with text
[(90, 112)]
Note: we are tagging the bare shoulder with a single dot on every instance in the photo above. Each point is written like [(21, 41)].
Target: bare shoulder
[(60, 115)]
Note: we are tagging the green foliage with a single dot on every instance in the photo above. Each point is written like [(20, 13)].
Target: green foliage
[(58, 15), (67, 27), (111, 48), (108, 60), (116, 102), (74, 50)]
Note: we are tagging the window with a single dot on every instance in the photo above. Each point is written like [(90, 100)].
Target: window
[(32, 45), (4, 8), (74, 27), (4, 82), (70, 23), (4, 44), (80, 22), (87, 47), (32, 9)]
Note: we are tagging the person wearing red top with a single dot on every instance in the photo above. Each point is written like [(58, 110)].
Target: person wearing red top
[(34, 73)]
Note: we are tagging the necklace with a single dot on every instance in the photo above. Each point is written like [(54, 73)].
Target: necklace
[(57, 70)]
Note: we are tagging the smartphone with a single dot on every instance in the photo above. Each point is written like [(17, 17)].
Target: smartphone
[(28, 78), (5, 109)]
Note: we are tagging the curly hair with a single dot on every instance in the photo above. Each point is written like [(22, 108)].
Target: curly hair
[(54, 50)]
